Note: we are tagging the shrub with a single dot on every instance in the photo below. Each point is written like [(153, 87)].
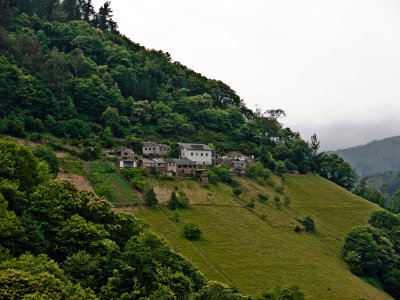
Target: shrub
[(277, 199), (292, 292), (49, 156), (262, 197), (237, 191), (308, 223), (280, 189), (104, 191), (191, 231), (173, 202), (183, 199), (287, 199), (280, 168), (141, 185), (297, 228), (150, 197), (251, 203), (175, 215)]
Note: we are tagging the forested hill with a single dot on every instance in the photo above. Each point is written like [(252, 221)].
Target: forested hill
[(65, 70), (377, 156)]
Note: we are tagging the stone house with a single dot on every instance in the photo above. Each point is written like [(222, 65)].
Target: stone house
[(155, 149), (201, 175), (199, 153), (180, 166), (148, 164), (124, 152)]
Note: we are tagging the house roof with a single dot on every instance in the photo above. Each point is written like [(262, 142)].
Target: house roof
[(147, 161), (190, 146), (159, 160), (119, 149), (181, 161), (154, 144)]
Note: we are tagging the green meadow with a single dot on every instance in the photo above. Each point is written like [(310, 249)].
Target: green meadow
[(257, 248)]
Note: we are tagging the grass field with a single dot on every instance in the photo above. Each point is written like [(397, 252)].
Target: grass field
[(104, 174), (257, 248)]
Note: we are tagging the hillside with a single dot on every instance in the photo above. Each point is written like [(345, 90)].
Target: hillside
[(377, 156), (258, 248)]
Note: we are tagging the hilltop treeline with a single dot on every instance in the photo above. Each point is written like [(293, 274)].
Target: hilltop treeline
[(65, 70)]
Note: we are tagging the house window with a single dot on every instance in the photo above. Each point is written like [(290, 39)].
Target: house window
[(191, 154), (197, 154), (145, 148), (204, 162), (206, 154), (201, 154)]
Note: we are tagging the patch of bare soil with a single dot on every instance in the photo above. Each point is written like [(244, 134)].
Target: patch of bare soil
[(26, 143), (163, 194), (60, 154), (79, 181)]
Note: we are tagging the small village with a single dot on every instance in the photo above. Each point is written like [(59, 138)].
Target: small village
[(192, 162)]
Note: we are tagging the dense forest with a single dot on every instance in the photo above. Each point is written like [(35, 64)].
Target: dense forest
[(65, 70)]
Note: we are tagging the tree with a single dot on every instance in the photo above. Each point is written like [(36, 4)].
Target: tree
[(108, 138), (173, 202), (104, 19), (308, 223), (150, 197), (191, 231), (48, 155), (292, 292)]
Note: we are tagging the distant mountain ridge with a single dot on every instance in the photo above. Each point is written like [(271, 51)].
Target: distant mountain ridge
[(376, 156)]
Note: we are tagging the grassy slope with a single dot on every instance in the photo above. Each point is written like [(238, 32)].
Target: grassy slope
[(258, 249)]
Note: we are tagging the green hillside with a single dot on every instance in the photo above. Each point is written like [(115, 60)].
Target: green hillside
[(258, 248)]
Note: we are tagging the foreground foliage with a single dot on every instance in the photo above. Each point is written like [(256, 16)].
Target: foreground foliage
[(374, 251), (58, 242)]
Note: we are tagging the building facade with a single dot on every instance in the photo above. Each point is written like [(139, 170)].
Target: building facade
[(199, 153), (155, 149)]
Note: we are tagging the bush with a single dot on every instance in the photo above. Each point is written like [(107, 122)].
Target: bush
[(175, 215), (292, 292), (251, 203), (277, 199), (308, 223), (287, 199), (150, 197), (104, 191), (183, 199), (263, 197), (280, 168), (280, 189), (49, 156), (191, 231), (173, 202), (141, 185), (237, 191), (257, 170), (297, 228), (91, 153)]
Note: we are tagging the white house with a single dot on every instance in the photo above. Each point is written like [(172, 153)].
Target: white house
[(199, 153)]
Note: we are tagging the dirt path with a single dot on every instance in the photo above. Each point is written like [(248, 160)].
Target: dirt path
[(80, 182)]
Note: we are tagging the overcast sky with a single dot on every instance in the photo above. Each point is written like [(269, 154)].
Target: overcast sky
[(333, 66)]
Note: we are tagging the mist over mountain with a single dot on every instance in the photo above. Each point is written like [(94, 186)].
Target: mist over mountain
[(376, 156)]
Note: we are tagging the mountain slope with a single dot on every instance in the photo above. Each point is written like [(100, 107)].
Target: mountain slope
[(377, 156), (258, 249)]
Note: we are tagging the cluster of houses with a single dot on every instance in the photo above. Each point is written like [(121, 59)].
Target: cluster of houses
[(191, 162)]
